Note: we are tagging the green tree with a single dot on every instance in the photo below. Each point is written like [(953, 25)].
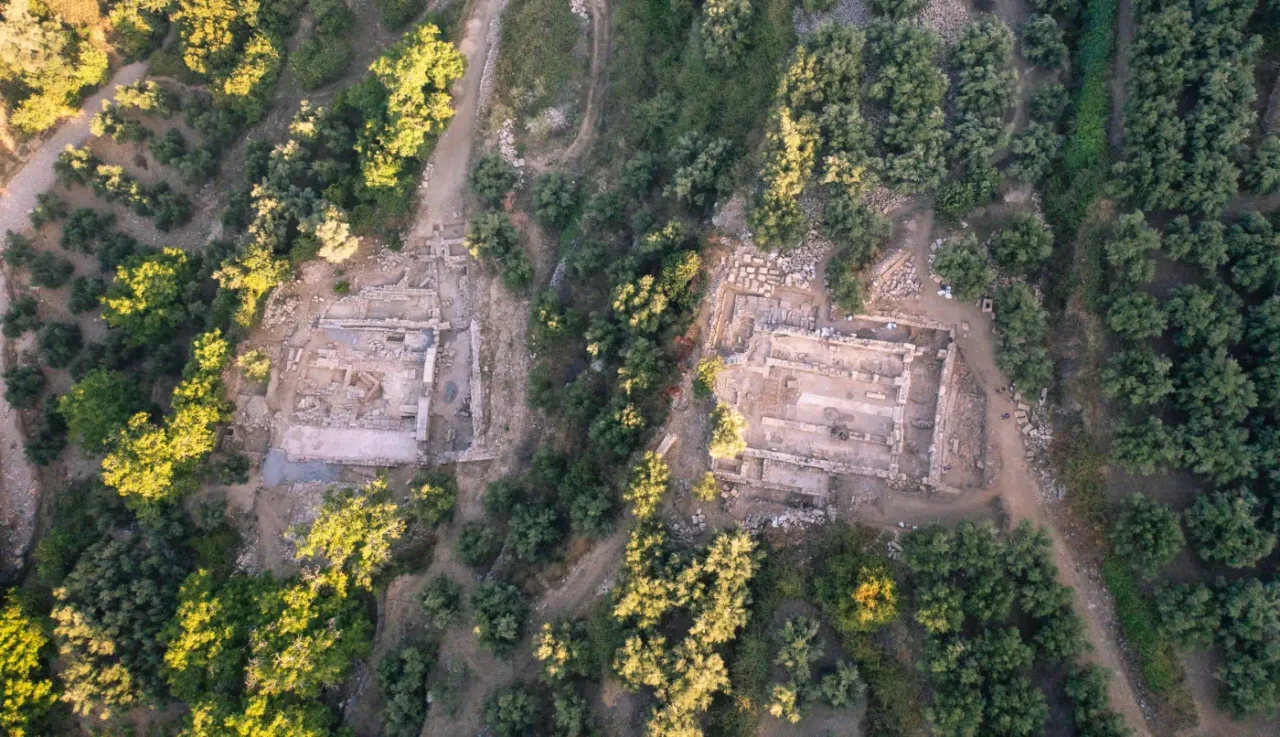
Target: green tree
[(147, 298), (1188, 613), (491, 235), (1142, 445), (963, 264), (1226, 529), (555, 199), (1035, 151), (1215, 449), (1138, 377), (1250, 621), (23, 385), (1042, 42), (1023, 245), (986, 85), (1263, 174), (492, 178), (1086, 689), (49, 271), (1212, 383), (1128, 250), (23, 315), (511, 712), (1204, 245), (476, 545), (402, 677), (1204, 318), (440, 598), (897, 9), (724, 30), (500, 614), (1048, 103), (47, 65), (86, 294), (432, 498), (533, 530), (649, 481), (354, 531), (1136, 316), (28, 692), (799, 648), (99, 406), (108, 615), (1147, 534), (703, 166), (59, 343), (1254, 250)]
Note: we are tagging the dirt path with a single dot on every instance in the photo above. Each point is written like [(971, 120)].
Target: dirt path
[(600, 30), (19, 195), (20, 491), (1017, 486), (1120, 74)]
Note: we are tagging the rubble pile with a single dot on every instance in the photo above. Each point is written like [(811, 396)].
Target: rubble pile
[(1037, 434), (945, 18), (699, 521), (898, 283), (579, 8), (801, 264), (548, 122), (793, 519), (883, 200), (507, 147), (280, 310), (845, 12)]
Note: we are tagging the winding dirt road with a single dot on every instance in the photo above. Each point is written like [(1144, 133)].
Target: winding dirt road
[(1017, 486), (19, 484)]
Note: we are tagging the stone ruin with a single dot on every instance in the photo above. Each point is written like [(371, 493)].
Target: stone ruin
[(828, 396), (387, 375)]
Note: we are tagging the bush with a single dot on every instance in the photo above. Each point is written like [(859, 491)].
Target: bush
[(23, 386), (396, 14), (320, 60), (491, 235), (1136, 316), (1042, 42), (1086, 689), (986, 86), (1263, 174), (1142, 445), (1048, 103), (440, 599), (402, 677), (704, 379), (49, 208), (913, 86), (59, 342), (86, 294), (963, 264), (492, 178), (1023, 245), (555, 199), (1226, 529), (727, 428), (1035, 152), (18, 250), (958, 198), (512, 712), (476, 545), (858, 232), (48, 437), (703, 166), (724, 28), (49, 271), (650, 479), (1147, 535), (1205, 245), (533, 530), (500, 613), (1189, 613), (432, 498), (98, 406), (23, 315), (1139, 377)]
